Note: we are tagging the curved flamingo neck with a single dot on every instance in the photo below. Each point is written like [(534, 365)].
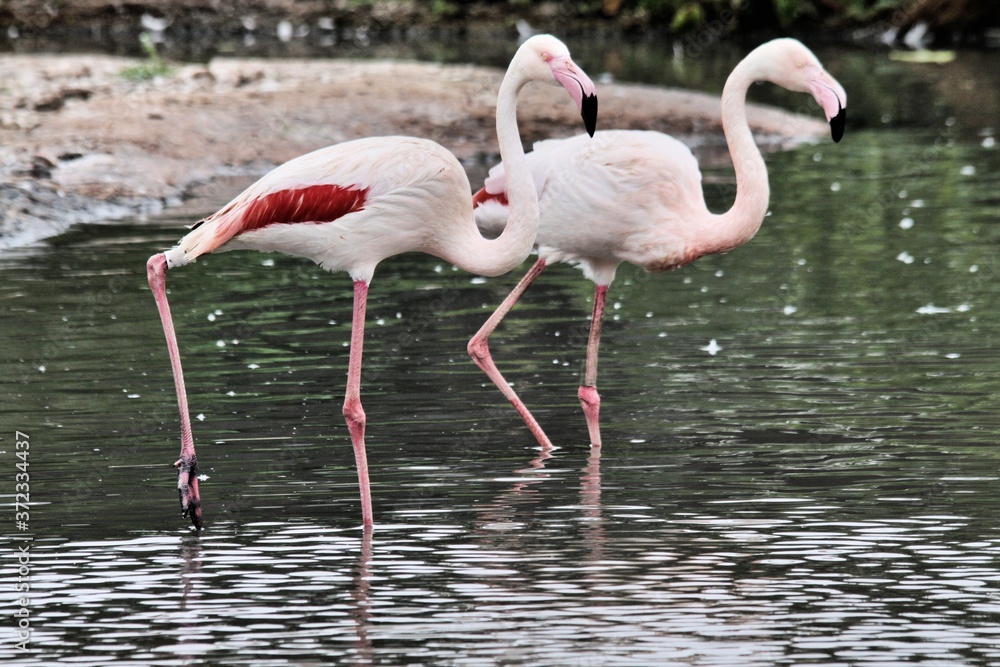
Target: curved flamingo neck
[(467, 249), (523, 208), (747, 213)]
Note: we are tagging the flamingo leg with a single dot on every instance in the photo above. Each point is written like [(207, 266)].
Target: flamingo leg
[(187, 464), (354, 414), (589, 398), (479, 350)]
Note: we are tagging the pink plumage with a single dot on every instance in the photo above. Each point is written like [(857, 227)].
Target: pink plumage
[(636, 196)]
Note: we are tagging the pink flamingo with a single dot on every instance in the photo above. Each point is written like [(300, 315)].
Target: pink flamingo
[(350, 206), (635, 196)]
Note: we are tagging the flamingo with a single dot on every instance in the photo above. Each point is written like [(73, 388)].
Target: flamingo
[(636, 196), (349, 206)]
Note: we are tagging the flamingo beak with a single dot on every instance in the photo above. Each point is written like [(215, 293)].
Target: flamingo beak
[(580, 88), (831, 96), (837, 124), (588, 109)]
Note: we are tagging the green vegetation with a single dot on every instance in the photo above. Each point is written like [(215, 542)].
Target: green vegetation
[(947, 20), (685, 14), (444, 8), (690, 15), (150, 68)]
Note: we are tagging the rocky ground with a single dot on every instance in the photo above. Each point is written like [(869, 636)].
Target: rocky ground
[(79, 142)]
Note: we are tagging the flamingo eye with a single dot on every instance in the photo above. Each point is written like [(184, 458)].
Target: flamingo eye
[(798, 64), (545, 57)]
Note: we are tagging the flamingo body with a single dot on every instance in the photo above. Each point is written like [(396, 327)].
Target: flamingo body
[(643, 186), (346, 207), (636, 196)]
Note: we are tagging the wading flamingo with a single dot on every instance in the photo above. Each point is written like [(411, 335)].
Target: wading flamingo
[(635, 196), (350, 206)]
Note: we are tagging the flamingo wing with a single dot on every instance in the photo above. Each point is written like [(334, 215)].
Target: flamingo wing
[(628, 197), (320, 187), (307, 203), (587, 187)]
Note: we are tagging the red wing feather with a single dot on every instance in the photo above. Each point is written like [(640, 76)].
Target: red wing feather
[(483, 196), (313, 203)]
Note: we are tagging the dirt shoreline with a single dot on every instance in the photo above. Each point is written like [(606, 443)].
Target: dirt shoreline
[(81, 143)]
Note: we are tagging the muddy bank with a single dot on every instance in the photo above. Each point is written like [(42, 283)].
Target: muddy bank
[(81, 143)]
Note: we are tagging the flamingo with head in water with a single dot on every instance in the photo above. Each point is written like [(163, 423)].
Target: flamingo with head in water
[(635, 196), (350, 206)]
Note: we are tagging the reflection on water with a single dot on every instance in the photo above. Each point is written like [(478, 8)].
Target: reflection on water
[(823, 490), (533, 572)]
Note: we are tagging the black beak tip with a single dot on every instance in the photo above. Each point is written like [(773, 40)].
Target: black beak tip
[(588, 109), (837, 124)]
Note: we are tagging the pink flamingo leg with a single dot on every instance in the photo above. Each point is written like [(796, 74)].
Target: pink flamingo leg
[(589, 398), (187, 464), (354, 414), (479, 350)]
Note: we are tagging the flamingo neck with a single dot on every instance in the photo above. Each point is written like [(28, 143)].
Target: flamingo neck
[(523, 216), (744, 218), (493, 257)]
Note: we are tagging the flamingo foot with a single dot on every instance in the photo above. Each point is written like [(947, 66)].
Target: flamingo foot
[(590, 400), (187, 487)]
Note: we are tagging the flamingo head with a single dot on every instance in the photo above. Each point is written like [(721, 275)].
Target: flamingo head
[(545, 58), (788, 63)]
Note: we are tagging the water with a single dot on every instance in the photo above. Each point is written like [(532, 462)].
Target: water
[(822, 490)]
